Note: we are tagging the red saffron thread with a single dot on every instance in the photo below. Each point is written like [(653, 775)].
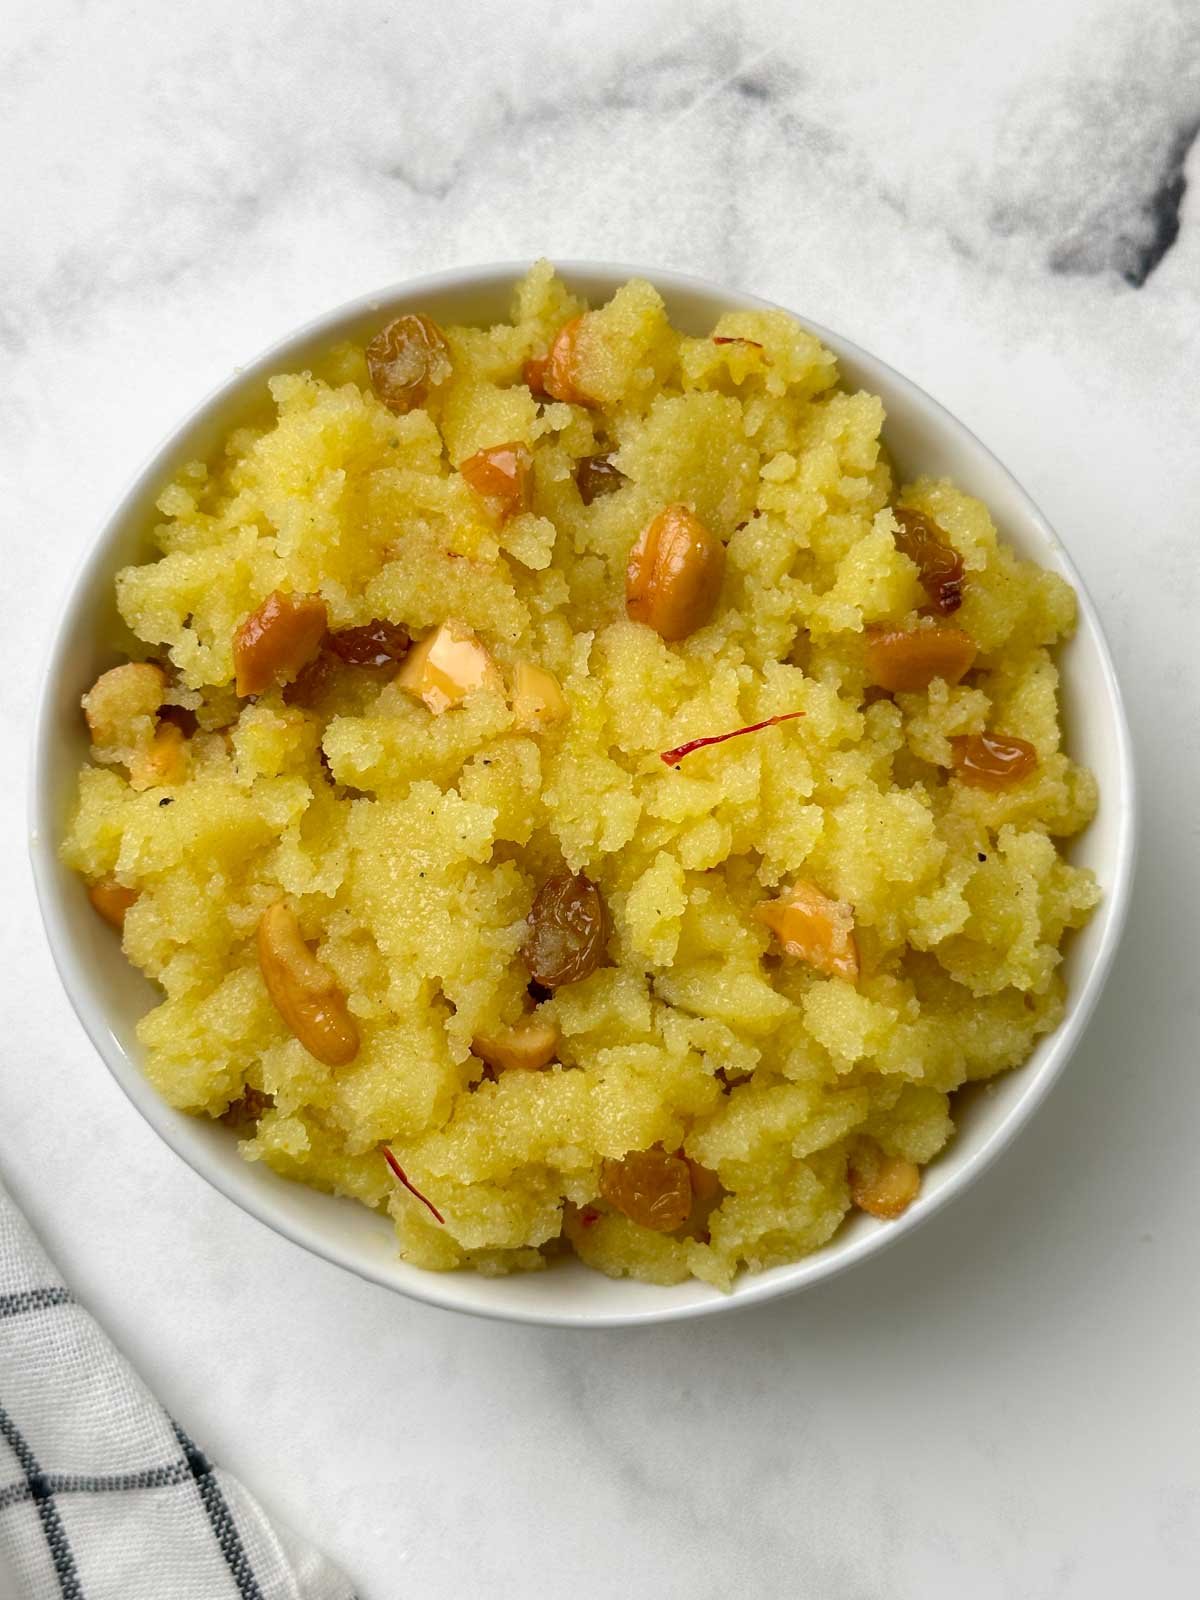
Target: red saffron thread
[(733, 338), (674, 757), (409, 1185), (588, 1216)]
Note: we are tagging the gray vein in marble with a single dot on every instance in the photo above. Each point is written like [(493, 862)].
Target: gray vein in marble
[(1161, 209), (1088, 177), (1132, 236), (1098, 148)]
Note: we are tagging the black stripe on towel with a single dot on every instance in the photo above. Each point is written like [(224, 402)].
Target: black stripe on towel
[(42, 1496), (60, 1483), (220, 1517), (11, 1305)]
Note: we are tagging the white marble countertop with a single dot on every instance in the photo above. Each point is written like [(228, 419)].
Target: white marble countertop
[(993, 199)]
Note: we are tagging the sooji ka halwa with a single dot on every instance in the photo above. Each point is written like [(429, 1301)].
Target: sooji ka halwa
[(571, 796)]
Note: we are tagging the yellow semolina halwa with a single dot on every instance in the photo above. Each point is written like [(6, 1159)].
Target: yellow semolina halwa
[(771, 960)]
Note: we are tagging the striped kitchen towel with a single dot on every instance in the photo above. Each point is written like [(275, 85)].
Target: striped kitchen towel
[(102, 1495)]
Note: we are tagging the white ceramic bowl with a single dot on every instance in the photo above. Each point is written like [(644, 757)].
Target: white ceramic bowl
[(109, 996)]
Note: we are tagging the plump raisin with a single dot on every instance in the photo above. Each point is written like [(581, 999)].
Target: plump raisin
[(596, 476), (706, 1186), (649, 1187), (992, 760), (374, 644), (568, 930), (406, 360), (940, 566), (244, 1113), (310, 683)]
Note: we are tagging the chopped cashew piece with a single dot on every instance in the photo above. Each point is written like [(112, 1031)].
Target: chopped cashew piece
[(305, 993), (444, 668), (527, 1046), (111, 900), (674, 574), (537, 700), (276, 640), (907, 662), (122, 709), (813, 928), (881, 1184), (122, 704), (502, 474), (164, 760)]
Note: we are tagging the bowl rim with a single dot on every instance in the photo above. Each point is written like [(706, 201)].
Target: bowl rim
[(438, 1288)]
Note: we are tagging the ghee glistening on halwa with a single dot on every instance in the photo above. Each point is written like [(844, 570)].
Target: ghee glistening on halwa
[(566, 780)]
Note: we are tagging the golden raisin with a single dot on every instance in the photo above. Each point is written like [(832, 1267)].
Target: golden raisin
[(992, 760), (673, 579), (906, 662), (596, 476), (560, 379), (813, 928), (649, 1187), (883, 1185), (276, 640), (568, 930), (706, 1185), (502, 472), (373, 644), (111, 900), (406, 360), (938, 564)]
